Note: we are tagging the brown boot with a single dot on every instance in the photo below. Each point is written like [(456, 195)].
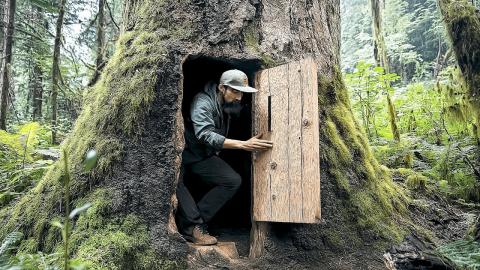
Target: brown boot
[(200, 236)]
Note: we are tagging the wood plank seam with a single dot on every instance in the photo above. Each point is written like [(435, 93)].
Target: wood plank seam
[(270, 155), (300, 75), (288, 145)]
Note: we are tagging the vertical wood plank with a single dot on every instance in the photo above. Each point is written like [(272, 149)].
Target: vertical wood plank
[(280, 183), (258, 233), (295, 138), (261, 177), (310, 130), (286, 179)]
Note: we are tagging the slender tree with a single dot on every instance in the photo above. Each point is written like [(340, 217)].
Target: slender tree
[(56, 68), (8, 29), (380, 54), (100, 42)]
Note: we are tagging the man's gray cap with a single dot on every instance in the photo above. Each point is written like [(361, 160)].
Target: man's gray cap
[(236, 79)]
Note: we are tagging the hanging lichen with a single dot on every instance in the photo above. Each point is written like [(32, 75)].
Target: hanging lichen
[(462, 22)]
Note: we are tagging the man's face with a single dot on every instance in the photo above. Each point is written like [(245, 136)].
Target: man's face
[(231, 98), (231, 95)]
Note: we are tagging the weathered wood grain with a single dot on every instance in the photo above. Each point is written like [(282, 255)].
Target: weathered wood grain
[(286, 179)]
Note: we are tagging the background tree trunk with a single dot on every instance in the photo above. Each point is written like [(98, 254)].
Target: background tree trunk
[(56, 68), (100, 42), (380, 55), (9, 20), (462, 22), (133, 118), (37, 97)]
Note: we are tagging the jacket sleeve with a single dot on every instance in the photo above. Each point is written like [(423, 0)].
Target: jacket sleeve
[(201, 114)]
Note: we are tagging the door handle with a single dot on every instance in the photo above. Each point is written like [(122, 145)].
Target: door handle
[(269, 113)]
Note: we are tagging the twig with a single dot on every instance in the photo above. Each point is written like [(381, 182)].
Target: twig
[(111, 15)]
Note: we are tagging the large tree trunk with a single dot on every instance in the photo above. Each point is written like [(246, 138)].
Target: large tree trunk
[(462, 22), (9, 20), (133, 118)]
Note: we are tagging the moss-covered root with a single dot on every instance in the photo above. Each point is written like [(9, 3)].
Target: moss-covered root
[(114, 114), (373, 197)]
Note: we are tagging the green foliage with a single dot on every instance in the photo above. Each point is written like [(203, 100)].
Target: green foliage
[(115, 111), (416, 181), (464, 253), (9, 243), (19, 167), (374, 198), (413, 34), (366, 85), (463, 28)]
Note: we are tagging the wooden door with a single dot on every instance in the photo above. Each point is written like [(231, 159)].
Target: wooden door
[(286, 179)]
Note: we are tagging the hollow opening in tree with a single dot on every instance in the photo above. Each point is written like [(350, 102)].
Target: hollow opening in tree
[(233, 221)]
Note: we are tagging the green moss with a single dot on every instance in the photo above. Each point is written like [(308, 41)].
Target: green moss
[(403, 172), (378, 204), (416, 181), (115, 110), (251, 39), (408, 160), (123, 245), (463, 27)]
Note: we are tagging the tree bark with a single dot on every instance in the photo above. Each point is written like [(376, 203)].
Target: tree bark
[(100, 42), (462, 22), (9, 19), (56, 68), (37, 97), (133, 118), (379, 48), (380, 55)]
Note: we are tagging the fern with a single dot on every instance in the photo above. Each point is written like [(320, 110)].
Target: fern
[(464, 253), (9, 243)]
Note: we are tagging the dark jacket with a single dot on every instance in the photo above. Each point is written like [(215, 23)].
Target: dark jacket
[(206, 126)]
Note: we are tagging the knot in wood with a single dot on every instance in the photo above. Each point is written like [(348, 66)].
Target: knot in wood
[(273, 165), (306, 123)]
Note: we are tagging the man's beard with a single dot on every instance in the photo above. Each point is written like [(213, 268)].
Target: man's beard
[(234, 107)]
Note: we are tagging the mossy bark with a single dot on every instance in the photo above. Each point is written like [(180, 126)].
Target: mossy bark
[(462, 21), (132, 117)]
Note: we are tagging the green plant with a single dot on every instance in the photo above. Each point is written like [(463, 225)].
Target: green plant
[(416, 181), (366, 84), (464, 253), (19, 167), (65, 227)]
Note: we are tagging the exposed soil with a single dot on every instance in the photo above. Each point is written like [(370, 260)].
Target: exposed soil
[(436, 220)]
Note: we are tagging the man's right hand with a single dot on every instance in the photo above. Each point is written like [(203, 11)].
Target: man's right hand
[(256, 144)]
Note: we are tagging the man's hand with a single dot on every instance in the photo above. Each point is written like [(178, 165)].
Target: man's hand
[(256, 144)]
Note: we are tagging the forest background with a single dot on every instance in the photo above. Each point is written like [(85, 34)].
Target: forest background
[(414, 110)]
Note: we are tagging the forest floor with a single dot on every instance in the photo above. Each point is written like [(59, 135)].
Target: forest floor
[(437, 219), (440, 221)]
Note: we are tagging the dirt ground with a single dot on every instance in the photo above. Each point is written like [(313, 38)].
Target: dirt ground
[(435, 222)]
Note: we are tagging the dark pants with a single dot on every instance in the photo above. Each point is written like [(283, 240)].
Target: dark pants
[(212, 171)]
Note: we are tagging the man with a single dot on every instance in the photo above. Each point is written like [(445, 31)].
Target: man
[(205, 136)]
